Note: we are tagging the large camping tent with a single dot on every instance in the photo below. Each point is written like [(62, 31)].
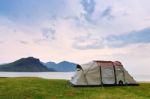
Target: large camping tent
[(102, 73)]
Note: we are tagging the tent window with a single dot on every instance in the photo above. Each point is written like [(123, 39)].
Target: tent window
[(78, 68)]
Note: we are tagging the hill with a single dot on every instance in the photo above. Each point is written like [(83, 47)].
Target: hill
[(37, 88), (63, 66), (29, 64)]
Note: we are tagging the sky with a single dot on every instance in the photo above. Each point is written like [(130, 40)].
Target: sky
[(77, 30)]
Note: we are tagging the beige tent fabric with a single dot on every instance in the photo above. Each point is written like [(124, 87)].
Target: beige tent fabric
[(102, 72), (93, 76), (79, 78), (108, 76), (129, 78)]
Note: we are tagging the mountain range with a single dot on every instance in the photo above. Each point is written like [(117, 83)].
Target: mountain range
[(31, 64), (63, 66)]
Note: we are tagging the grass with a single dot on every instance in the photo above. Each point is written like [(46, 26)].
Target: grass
[(37, 88)]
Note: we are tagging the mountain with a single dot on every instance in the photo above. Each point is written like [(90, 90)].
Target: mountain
[(63, 66), (29, 64)]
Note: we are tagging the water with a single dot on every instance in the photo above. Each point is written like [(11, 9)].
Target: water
[(141, 77), (59, 75), (47, 75)]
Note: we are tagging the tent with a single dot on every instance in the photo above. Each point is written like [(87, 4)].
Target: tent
[(101, 73)]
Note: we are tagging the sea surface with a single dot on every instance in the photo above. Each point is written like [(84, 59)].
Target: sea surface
[(46, 75), (59, 75)]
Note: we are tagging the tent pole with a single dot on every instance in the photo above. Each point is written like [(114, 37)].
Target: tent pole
[(100, 75), (115, 74), (124, 76)]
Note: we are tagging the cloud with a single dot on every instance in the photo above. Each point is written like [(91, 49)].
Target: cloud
[(71, 18), (89, 7), (23, 42), (141, 36), (1, 42), (48, 33), (38, 41), (107, 13), (88, 41), (112, 41)]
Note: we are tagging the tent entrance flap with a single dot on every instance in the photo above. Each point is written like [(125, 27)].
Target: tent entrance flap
[(108, 76), (120, 75)]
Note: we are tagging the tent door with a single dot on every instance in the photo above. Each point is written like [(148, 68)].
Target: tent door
[(108, 76), (120, 76)]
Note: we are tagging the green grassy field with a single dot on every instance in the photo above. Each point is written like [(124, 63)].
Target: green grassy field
[(37, 88)]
